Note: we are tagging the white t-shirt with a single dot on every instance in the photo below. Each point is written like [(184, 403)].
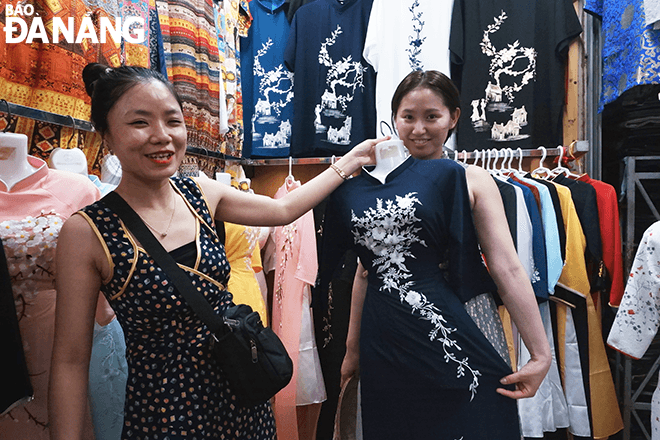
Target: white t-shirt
[(403, 36)]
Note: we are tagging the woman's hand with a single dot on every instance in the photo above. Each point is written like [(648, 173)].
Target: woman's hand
[(360, 155), (527, 379), (350, 365)]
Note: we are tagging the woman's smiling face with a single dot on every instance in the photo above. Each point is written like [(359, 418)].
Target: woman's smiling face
[(423, 122), (147, 132)]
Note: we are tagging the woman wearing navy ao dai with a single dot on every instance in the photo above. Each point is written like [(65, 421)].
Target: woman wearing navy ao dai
[(424, 327), (424, 364)]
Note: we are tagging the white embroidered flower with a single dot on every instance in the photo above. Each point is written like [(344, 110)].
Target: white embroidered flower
[(414, 299), (392, 240), (388, 223), (398, 259), (406, 202), (378, 234), (29, 245)]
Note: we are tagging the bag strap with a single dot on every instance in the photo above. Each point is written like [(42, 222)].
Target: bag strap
[(181, 281)]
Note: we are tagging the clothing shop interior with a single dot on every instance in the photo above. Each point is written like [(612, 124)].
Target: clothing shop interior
[(559, 103)]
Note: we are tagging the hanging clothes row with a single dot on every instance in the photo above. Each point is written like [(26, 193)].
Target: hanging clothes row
[(560, 222)]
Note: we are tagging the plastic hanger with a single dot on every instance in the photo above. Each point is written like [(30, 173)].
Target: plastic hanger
[(477, 156), (520, 160), (6, 129), (464, 153), (542, 171), (290, 179), (509, 159), (489, 155), (73, 132), (560, 169), (504, 154), (498, 171)]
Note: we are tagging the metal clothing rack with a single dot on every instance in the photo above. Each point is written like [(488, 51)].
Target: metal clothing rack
[(44, 116), (79, 124), (635, 397), (575, 150)]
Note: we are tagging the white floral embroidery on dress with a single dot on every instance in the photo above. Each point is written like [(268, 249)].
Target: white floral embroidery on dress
[(30, 250), (389, 231)]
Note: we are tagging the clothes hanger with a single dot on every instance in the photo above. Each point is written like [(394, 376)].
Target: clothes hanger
[(499, 171), (506, 164), (560, 169), (73, 131), (496, 156), (464, 153), (477, 155), (520, 160), (290, 179), (542, 171), (489, 156), (504, 155), (6, 129)]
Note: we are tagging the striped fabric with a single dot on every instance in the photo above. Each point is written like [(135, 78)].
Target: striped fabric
[(193, 66)]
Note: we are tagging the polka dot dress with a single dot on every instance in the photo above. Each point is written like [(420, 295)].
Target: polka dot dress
[(174, 390)]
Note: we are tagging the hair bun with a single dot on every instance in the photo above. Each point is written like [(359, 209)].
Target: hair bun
[(91, 73)]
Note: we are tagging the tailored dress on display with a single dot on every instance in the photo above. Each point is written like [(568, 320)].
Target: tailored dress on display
[(638, 317), (426, 368), (295, 272), (244, 258), (15, 383), (175, 389), (31, 216)]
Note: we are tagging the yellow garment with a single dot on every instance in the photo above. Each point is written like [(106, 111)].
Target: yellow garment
[(605, 411), (574, 275), (244, 256)]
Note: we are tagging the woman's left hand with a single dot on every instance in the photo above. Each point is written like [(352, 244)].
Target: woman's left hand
[(527, 379), (360, 155)]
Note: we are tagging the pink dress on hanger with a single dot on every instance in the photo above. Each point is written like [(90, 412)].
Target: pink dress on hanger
[(31, 216), (295, 272)]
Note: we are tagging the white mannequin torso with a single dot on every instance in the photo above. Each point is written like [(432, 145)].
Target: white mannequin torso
[(14, 165), (389, 155)]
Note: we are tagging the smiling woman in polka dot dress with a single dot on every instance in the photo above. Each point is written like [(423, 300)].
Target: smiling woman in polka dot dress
[(174, 390)]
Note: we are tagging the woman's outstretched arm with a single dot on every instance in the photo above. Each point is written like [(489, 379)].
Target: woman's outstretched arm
[(257, 210), (512, 281)]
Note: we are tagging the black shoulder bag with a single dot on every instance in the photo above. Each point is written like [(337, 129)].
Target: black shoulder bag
[(251, 356)]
